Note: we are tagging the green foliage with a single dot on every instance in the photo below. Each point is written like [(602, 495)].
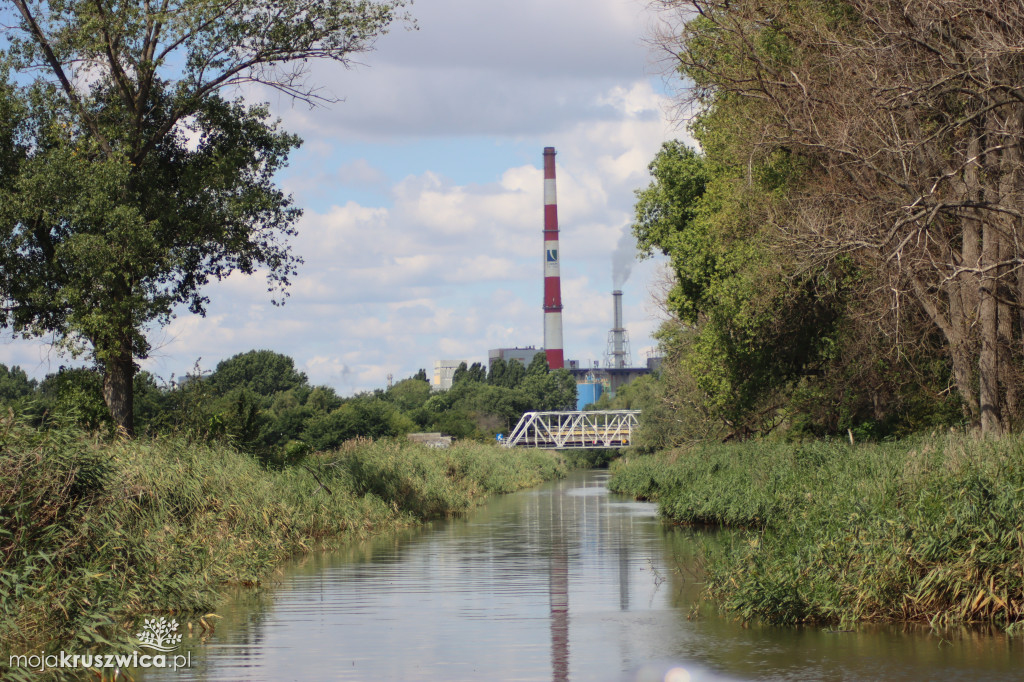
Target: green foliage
[(555, 390), (323, 399), (496, 374), (667, 214), (515, 372), (481, 404), (76, 394), (262, 372), (795, 316), (923, 529), (475, 374), (15, 384), (538, 365), (506, 374), (76, 215), (762, 332), (363, 416), (409, 395), (589, 458), (459, 375), (759, 328)]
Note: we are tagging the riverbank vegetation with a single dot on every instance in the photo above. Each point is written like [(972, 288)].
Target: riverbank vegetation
[(924, 529), (843, 234), (96, 534)]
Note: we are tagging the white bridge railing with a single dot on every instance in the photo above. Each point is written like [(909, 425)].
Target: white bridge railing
[(563, 430)]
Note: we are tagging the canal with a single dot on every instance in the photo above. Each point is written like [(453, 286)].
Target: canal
[(562, 582)]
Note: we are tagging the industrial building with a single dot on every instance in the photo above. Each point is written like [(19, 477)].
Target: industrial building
[(592, 383), (523, 355), (444, 370)]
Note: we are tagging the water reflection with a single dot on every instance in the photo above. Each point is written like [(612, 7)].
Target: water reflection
[(565, 582), (558, 591)]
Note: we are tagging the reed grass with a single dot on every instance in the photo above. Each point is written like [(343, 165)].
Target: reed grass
[(94, 535), (930, 529)]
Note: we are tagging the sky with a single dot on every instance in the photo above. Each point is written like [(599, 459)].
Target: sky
[(422, 191)]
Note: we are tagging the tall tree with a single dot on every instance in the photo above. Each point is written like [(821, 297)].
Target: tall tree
[(497, 371), (128, 182), (460, 374), (759, 327), (515, 372), (908, 118), (538, 365), (264, 372)]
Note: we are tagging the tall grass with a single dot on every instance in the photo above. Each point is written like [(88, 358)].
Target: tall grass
[(430, 482), (926, 530), (94, 535)]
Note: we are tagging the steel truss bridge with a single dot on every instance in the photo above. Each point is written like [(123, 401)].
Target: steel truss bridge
[(564, 430)]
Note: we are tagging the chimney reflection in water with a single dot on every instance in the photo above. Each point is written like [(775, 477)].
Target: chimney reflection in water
[(558, 592)]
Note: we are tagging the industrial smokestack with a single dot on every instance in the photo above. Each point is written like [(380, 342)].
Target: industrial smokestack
[(617, 331), (552, 281), (618, 341)]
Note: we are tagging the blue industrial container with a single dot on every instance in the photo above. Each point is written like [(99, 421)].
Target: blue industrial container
[(587, 393)]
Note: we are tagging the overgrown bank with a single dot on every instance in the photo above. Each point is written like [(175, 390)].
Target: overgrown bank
[(923, 530), (94, 536)]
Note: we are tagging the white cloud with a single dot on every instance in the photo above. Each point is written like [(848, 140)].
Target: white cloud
[(405, 264), (501, 67), (37, 357)]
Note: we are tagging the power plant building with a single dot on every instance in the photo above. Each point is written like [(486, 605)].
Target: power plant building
[(444, 370), (588, 392), (523, 355), (591, 383)]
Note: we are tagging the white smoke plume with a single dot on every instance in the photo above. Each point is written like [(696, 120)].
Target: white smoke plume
[(623, 258)]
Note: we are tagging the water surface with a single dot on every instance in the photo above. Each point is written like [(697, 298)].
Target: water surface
[(564, 582)]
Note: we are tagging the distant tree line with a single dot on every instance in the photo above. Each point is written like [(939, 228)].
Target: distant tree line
[(261, 403)]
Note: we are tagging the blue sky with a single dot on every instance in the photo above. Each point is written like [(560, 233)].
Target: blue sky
[(423, 202)]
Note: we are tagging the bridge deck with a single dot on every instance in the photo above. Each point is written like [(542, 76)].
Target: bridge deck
[(564, 430)]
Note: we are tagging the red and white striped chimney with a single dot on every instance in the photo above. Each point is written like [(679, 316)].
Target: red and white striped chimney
[(552, 282)]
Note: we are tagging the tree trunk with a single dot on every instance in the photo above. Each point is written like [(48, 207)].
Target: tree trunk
[(964, 360), (1007, 371), (964, 300), (988, 360), (1009, 190), (956, 330), (118, 385), (970, 249)]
